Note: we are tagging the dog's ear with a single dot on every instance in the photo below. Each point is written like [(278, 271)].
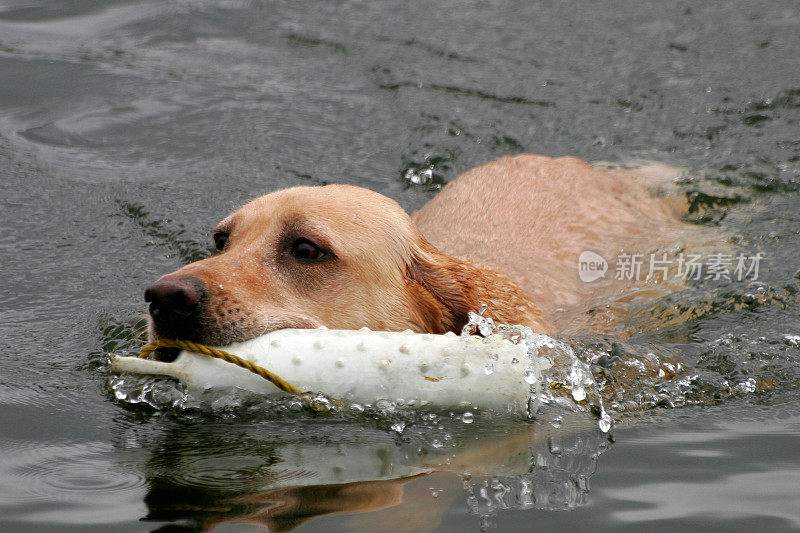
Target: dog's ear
[(441, 291)]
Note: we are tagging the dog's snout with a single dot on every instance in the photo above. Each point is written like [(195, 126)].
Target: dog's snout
[(173, 296)]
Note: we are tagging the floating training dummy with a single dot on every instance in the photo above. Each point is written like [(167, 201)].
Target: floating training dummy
[(501, 371)]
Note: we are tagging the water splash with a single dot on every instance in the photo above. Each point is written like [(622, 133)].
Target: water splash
[(159, 393), (567, 374)]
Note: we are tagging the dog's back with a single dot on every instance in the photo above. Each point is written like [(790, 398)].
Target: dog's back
[(532, 216)]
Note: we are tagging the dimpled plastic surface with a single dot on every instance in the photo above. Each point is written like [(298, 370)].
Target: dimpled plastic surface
[(365, 366)]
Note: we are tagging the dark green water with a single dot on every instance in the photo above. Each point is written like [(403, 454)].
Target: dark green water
[(128, 129)]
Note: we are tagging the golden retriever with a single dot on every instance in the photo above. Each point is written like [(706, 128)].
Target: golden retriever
[(507, 234)]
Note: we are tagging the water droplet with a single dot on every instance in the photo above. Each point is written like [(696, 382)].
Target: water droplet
[(320, 404), (384, 405), (530, 377), (557, 422), (792, 340), (398, 427), (489, 369), (578, 394), (604, 422), (467, 418), (434, 491), (419, 176), (748, 385), (483, 325), (486, 327), (514, 360)]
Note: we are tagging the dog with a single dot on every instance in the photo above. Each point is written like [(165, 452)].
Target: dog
[(506, 234)]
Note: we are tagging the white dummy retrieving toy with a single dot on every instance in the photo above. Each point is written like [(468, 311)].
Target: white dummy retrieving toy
[(365, 366)]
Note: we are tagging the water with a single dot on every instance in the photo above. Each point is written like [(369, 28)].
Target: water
[(128, 129)]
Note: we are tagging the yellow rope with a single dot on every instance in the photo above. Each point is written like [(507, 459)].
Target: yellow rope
[(219, 354)]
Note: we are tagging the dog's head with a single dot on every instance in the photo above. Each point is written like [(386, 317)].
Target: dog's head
[(339, 256)]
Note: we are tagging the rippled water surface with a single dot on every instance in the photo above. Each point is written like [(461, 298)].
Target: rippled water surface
[(128, 129)]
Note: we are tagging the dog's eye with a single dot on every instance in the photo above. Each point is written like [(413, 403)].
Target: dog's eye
[(307, 252), (220, 240)]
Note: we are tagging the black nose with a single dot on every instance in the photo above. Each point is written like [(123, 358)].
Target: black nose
[(173, 298)]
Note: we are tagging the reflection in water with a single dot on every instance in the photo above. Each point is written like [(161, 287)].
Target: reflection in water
[(283, 473), (557, 478)]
